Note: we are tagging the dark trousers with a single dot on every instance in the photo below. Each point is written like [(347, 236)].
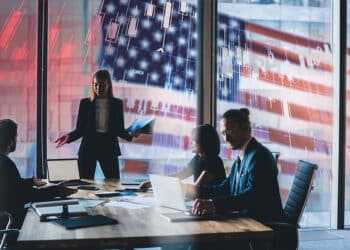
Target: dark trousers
[(87, 166)]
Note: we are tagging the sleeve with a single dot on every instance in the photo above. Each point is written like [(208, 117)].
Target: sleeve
[(257, 175), (122, 132), (81, 120), (28, 182), (210, 191)]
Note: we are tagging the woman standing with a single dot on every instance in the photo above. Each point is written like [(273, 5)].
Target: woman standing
[(100, 123)]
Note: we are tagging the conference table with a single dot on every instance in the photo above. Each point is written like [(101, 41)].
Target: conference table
[(144, 227)]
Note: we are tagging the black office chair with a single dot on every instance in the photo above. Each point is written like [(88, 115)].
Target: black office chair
[(286, 231), (5, 230)]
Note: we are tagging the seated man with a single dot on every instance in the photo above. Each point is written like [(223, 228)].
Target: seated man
[(15, 191), (252, 186)]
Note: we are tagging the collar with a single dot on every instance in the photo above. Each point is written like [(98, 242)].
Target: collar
[(244, 147)]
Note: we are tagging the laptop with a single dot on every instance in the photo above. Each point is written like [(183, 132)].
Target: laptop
[(168, 193), (64, 172)]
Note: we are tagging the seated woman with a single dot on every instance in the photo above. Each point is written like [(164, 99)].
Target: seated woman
[(206, 166)]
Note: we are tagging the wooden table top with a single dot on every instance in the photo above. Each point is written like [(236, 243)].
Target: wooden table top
[(136, 228)]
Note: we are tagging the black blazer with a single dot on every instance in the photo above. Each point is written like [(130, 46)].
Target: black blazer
[(86, 128), (16, 191), (257, 194)]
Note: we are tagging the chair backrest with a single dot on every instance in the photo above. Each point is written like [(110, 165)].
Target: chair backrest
[(299, 192), (5, 223)]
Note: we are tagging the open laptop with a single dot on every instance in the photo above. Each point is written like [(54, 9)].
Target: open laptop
[(168, 193), (65, 172)]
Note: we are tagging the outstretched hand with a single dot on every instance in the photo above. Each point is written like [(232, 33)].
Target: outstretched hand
[(61, 140)]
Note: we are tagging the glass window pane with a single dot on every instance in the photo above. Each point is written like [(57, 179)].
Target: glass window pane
[(280, 66), (149, 47), (18, 70), (347, 169)]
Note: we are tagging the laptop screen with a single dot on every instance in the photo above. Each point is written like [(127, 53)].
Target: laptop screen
[(62, 170), (168, 192)]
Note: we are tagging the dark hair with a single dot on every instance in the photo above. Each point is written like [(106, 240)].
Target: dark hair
[(241, 116), (101, 75), (207, 138), (8, 132)]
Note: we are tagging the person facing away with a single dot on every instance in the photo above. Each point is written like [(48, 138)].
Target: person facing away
[(15, 191), (252, 186), (206, 166), (100, 122)]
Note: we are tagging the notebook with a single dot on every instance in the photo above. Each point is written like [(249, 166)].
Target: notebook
[(86, 221), (168, 193), (65, 172)]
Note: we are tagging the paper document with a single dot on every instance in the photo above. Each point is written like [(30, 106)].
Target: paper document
[(126, 204), (144, 123)]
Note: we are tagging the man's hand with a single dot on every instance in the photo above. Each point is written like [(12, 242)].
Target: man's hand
[(202, 206), (38, 182), (144, 186)]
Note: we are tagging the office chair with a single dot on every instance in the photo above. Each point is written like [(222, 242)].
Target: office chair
[(5, 230), (286, 231)]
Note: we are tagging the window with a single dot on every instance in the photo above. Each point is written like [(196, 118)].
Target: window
[(280, 67), (18, 67), (149, 47)]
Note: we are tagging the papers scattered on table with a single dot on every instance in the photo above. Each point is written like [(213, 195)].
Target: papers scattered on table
[(126, 204), (115, 194), (90, 202)]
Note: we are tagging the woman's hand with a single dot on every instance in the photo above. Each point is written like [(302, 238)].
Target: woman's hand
[(144, 186), (136, 133), (61, 140)]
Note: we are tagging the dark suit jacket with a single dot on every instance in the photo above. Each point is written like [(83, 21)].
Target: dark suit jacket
[(15, 191), (257, 194), (86, 128)]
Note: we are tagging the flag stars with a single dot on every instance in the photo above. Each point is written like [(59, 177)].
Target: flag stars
[(120, 62), (109, 50), (133, 53), (156, 56), (154, 77), (143, 64), (179, 60), (135, 11), (157, 36), (122, 41), (167, 68), (110, 8), (169, 47), (146, 24), (145, 43), (182, 41), (122, 19)]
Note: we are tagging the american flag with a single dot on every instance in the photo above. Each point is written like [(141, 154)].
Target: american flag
[(285, 79)]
